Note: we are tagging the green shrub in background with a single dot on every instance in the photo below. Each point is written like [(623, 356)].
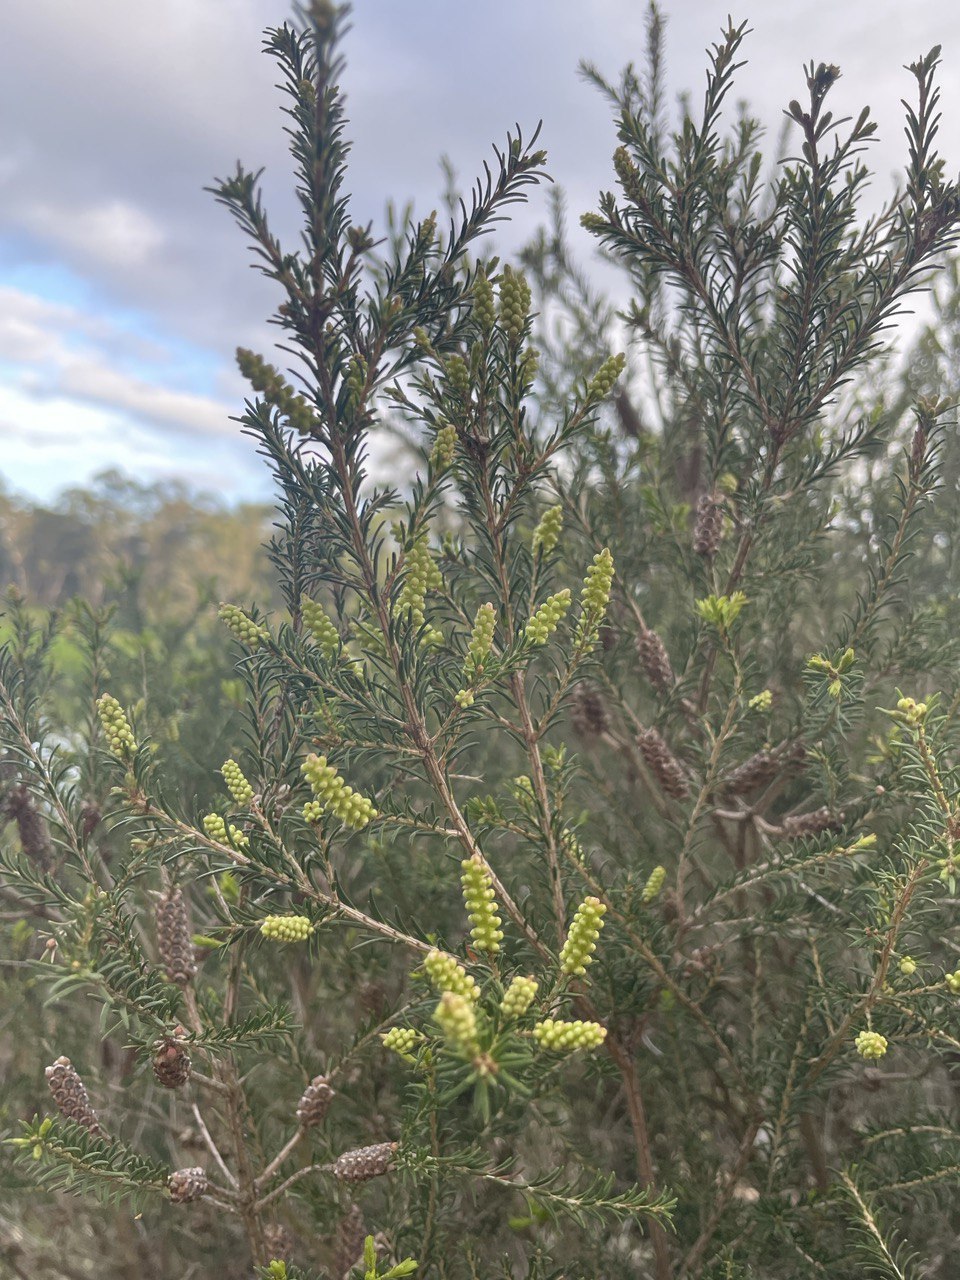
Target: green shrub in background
[(577, 900)]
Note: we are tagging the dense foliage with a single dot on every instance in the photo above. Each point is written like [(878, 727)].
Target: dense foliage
[(567, 888)]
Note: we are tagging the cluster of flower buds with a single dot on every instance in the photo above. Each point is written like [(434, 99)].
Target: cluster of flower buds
[(567, 1037), (595, 595), (514, 303), (446, 974), (518, 997), (908, 966), (577, 952), (651, 889), (761, 701), (547, 533), (479, 898), (401, 1040), (478, 650), (286, 928), (420, 575), (247, 631), (237, 784), (274, 388), (333, 795), (870, 1044), (324, 633), (215, 828), (602, 382), (457, 1018), (444, 449), (458, 375), (546, 619), (953, 982), (116, 726), (484, 309)]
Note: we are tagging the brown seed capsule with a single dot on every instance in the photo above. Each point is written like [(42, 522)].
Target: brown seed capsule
[(663, 764), (171, 1062), (315, 1102), (709, 526), (364, 1163), (812, 823), (35, 840), (348, 1241), (763, 767), (278, 1241), (71, 1097), (174, 942), (655, 660), (187, 1185), (589, 713)]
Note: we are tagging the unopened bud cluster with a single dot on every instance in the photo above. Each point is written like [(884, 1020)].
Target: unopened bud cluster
[(237, 784), (247, 631), (275, 389), (116, 726), (486, 930), (518, 997), (444, 449), (401, 1040), (546, 619), (457, 1019), (215, 828), (514, 303), (547, 533), (870, 1044), (595, 595), (602, 382), (484, 309), (651, 889), (581, 943), (478, 650), (333, 795), (446, 974), (286, 928), (324, 633), (567, 1037), (420, 576)]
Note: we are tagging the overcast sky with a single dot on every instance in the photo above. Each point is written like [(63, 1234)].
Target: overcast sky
[(124, 289)]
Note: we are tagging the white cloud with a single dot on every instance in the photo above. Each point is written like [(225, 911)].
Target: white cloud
[(113, 233)]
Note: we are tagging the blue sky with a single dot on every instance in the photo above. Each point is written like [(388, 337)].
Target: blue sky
[(124, 290)]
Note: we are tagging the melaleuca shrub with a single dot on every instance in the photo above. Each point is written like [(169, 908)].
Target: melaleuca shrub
[(426, 979)]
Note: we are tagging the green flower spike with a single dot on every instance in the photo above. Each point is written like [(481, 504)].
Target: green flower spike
[(275, 389), (483, 305), (458, 1022), (216, 829), (547, 618), (870, 1044), (286, 928), (514, 303), (333, 795), (547, 533), (446, 974), (237, 784), (324, 633), (244, 628), (401, 1040), (420, 576), (603, 380), (480, 901), (568, 1037), (116, 726), (595, 595), (654, 884), (581, 941), (444, 449), (518, 997)]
